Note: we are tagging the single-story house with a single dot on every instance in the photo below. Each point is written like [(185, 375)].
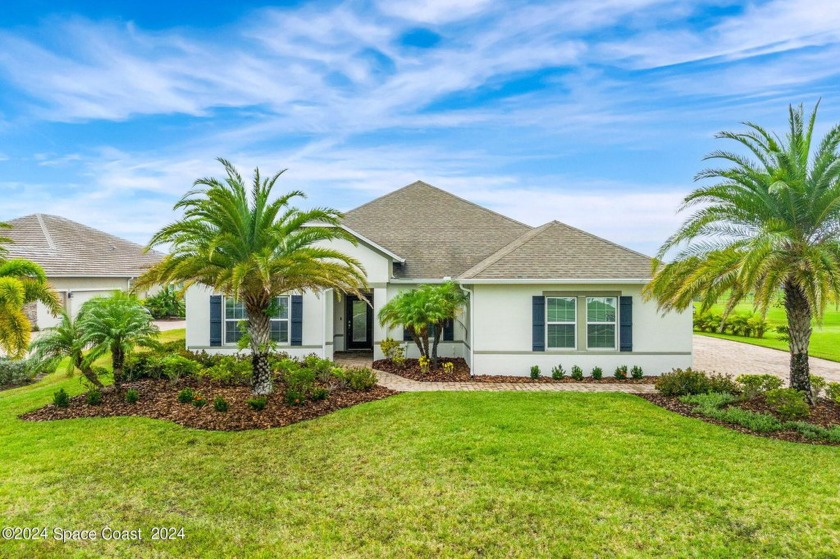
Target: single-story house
[(542, 296), (80, 262)]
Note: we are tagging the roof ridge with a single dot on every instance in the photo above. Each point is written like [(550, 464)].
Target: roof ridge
[(47, 236), (588, 234), (505, 250), (423, 183)]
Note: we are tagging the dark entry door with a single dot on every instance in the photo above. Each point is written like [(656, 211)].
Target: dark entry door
[(359, 324)]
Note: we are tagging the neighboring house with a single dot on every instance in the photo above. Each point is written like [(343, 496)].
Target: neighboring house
[(80, 262), (537, 296)]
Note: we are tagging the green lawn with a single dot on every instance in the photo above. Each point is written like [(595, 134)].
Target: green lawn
[(825, 340), (421, 475)]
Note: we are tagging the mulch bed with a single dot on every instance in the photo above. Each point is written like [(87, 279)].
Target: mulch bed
[(824, 413), (411, 370), (159, 400)]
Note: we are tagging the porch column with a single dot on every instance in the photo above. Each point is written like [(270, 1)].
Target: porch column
[(380, 297)]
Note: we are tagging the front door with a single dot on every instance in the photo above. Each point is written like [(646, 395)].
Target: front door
[(359, 324)]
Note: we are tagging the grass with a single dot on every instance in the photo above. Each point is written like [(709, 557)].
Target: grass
[(421, 475), (825, 339)]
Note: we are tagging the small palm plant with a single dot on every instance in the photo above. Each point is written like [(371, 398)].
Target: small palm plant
[(118, 324), (65, 340), (21, 282), (769, 223), (253, 247)]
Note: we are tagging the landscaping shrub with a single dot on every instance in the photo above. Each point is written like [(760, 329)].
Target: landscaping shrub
[(812, 431), (360, 378), (320, 367), (682, 382), (424, 363), (621, 372), (229, 370), (832, 391), (789, 403), (637, 372), (449, 367), (761, 422), (708, 401), (220, 404), (597, 373), (141, 365), (535, 372), (257, 403), (754, 385), (61, 399), (393, 351), (294, 397), (166, 303), (176, 366), (577, 373), (558, 372), (722, 383), (94, 397), (319, 393), (300, 381), (817, 386), (132, 396), (199, 401), (14, 372), (186, 395)]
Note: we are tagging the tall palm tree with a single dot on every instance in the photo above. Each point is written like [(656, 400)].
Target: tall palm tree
[(65, 340), (118, 324), (21, 282), (770, 222), (253, 247)]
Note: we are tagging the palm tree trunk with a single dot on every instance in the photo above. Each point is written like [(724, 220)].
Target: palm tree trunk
[(438, 332), (259, 332), (88, 372), (799, 331), (117, 361), (417, 341)]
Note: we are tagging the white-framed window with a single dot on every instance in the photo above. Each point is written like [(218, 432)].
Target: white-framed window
[(561, 322), (235, 313), (601, 322)]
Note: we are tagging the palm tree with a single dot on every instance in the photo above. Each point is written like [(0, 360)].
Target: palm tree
[(21, 282), (117, 324), (65, 340), (253, 249), (770, 222), (423, 313)]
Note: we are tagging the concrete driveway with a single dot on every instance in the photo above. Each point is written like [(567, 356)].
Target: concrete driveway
[(735, 358)]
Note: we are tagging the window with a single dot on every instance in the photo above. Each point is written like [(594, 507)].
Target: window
[(561, 322), (235, 313), (600, 322)]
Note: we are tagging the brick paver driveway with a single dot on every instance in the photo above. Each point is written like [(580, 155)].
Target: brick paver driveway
[(735, 358)]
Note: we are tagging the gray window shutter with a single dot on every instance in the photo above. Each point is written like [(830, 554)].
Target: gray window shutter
[(626, 327), (449, 330), (296, 337), (215, 320), (538, 306)]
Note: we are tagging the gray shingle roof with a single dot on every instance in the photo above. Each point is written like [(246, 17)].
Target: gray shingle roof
[(65, 248), (558, 251), (438, 233)]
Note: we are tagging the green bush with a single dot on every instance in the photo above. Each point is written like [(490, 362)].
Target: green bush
[(812, 431), (818, 384), (393, 351), (360, 378), (301, 381), (722, 383), (186, 395), (682, 382), (637, 372), (535, 372), (709, 401), (199, 401), (94, 397), (760, 422), (789, 403), (176, 366), (229, 370), (319, 393), (294, 397), (597, 373), (166, 303), (257, 403), (61, 399), (621, 372), (832, 391), (755, 385), (577, 373), (132, 396), (14, 372), (321, 367), (558, 372), (141, 365), (220, 404)]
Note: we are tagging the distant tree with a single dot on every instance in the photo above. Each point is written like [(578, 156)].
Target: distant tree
[(770, 222), (21, 282), (253, 247)]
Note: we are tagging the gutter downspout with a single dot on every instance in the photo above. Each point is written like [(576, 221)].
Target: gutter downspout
[(469, 293)]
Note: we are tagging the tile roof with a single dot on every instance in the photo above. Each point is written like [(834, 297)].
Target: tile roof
[(65, 248), (438, 233), (558, 251)]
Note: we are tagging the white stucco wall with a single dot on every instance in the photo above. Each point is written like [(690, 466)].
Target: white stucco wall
[(74, 292), (502, 341)]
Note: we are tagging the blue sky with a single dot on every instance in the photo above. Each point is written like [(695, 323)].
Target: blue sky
[(594, 113)]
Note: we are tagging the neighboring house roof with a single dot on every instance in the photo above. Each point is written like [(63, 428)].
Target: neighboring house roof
[(437, 233), (65, 248), (558, 251)]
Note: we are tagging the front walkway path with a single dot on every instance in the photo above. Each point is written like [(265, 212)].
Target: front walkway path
[(735, 358)]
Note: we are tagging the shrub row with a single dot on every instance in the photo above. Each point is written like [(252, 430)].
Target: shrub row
[(558, 372), (749, 326), (18, 371)]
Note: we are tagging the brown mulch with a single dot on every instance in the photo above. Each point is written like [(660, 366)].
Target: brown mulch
[(159, 400), (824, 413), (411, 370)]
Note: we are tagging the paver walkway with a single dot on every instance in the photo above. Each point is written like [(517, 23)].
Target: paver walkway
[(735, 358)]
